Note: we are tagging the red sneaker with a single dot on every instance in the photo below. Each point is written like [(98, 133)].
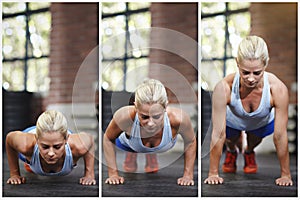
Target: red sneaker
[(229, 165), (250, 164), (130, 164), (151, 163)]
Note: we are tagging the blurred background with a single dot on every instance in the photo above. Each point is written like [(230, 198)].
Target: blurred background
[(223, 26), (149, 40), (46, 56), (45, 44)]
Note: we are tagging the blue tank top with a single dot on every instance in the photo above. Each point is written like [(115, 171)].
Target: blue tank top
[(238, 118), (35, 164), (135, 141)]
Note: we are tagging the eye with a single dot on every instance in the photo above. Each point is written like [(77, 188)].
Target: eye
[(156, 116), (45, 146), (245, 73), (144, 117), (57, 146), (257, 73)]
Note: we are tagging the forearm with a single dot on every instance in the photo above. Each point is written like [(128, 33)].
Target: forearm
[(89, 160), (110, 157), (216, 148), (281, 144), (13, 160), (189, 159)]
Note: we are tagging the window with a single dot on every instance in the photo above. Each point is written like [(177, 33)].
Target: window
[(25, 46), (125, 42), (223, 26)]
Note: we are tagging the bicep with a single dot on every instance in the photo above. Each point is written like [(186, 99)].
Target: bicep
[(121, 122), (219, 104), (186, 129), (113, 130), (19, 141), (281, 102)]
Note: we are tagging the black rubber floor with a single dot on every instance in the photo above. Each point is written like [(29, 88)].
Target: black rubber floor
[(160, 184), (261, 184), (42, 186)]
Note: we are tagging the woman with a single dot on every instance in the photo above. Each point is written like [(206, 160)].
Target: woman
[(149, 127), (254, 101), (50, 150)]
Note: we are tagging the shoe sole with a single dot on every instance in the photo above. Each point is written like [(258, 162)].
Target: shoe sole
[(130, 170), (228, 170), (250, 171), (151, 170)]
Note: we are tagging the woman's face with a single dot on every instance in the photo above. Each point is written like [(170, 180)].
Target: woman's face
[(251, 72), (151, 117), (51, 147)]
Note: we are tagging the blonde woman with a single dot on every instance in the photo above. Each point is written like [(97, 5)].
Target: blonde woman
[(48, 149), (149, 126), (254, 101)]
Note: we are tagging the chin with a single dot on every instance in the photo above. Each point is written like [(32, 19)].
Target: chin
[(51, 162), (251, 86)]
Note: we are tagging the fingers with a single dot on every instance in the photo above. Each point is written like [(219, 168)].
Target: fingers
[(214, 180), (284, 182), (87, 181), (185, 181), (115, 180), (16, 180)]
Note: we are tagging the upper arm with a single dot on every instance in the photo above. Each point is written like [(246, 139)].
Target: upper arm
[(80, 143), (121, 121), (185, 127), (280, 98), (20, 142), (220, 99)]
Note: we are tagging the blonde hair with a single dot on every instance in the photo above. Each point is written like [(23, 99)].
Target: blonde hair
[(253, 48), (51, 121), (151, 91)]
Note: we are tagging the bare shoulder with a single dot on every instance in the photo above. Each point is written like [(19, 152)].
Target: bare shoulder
[(180, 122), (275, 82), (222, 89), (279, 91), (20, 141), (177, 116), (229, 79), (80, 143), (124, 116)]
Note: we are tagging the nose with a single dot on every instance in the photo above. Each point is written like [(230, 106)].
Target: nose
[(150, 122), (251, 78), (51, 152)]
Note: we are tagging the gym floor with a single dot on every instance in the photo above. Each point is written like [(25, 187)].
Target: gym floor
[(43, 186), (160, 184), (261, 184)]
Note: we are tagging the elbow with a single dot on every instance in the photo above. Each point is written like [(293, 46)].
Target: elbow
[(280, 138), (276, 137), (219, 135), (9, 138), (218, 138), (107, 141)]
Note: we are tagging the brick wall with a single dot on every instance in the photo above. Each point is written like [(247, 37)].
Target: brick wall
[(173, 53), (74, 35), (277, 24)]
